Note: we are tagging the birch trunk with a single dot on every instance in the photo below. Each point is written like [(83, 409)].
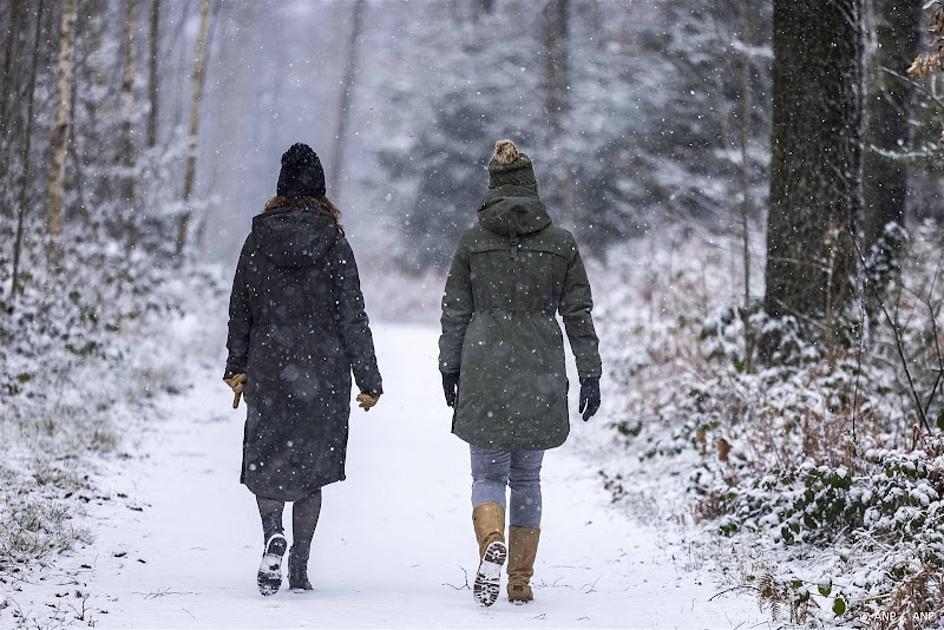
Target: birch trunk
[(63, 122), (196, 86)]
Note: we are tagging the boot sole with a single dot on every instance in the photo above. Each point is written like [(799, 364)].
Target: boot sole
[(487, 583), (301, 590), (269, 576)]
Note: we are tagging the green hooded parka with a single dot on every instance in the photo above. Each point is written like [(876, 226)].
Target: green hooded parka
[(511, 275)]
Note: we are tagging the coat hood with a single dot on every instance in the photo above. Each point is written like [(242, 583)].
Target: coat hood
[(513, 211), (294, 237)]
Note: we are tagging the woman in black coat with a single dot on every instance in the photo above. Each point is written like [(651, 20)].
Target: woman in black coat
[(297, 329)]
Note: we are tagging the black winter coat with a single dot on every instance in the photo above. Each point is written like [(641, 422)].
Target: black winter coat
[(297, 328)]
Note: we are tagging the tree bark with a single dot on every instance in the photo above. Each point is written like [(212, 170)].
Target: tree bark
[(10, 79), (896, 37), (816, 161), (8, 96), (556, 100), (63, 123), (347, 90), (127, 105), (196, 86), (25, 182), (747, 201), (154, 79)]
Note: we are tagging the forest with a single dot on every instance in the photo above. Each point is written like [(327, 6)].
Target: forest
[(755, 186)]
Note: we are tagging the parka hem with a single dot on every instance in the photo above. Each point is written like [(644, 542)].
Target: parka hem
[(514, 445), (291, 496)]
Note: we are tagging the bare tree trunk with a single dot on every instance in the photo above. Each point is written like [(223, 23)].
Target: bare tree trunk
[(9, 95), (816, 161), (154, 79), (62, 126), (10, 80), (556, 101), (347, 90), (27, 147), (747, 201), (196, 86), (896, 36), (127, 104)]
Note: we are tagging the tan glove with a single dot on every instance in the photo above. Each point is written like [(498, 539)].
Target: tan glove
[(237, 384), (366, 401)]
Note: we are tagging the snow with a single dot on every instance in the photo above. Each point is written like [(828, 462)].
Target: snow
[(394, 546)]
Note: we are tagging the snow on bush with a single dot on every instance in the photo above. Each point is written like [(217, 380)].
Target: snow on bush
[(82, 354), (817, 461)]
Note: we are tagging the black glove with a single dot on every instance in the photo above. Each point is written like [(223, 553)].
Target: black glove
[(589, 396), (451, 387)]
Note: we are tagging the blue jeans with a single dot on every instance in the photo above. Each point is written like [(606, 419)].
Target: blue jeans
[(493, 470)]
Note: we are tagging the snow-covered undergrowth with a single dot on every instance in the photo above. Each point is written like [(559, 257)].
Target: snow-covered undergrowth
[(82, 355), (818, 472)]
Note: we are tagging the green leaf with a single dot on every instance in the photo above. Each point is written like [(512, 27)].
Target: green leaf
[(839, 606), (825, 589), (940, 419)]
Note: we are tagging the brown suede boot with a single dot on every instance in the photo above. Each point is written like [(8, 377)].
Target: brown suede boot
[(489, 522), (522, 549)]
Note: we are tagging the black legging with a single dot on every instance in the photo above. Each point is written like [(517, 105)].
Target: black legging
[(305, 514)]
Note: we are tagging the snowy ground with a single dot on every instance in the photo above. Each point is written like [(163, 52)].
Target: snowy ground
[(394, 544)]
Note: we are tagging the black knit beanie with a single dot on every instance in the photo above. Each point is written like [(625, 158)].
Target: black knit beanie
[(301, 174)]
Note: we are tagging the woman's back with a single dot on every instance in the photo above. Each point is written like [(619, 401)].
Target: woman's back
[(512, 274), (291, 252), (298, 329)]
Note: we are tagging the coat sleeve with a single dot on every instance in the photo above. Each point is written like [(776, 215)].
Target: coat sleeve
[(457, 308), (575, 306), (240, 316), (353, 324)]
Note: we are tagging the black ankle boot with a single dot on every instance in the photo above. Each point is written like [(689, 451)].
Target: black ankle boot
[(271, 525), (269, 575), (298, 568)]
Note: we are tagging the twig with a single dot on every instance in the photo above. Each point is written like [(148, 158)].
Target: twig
[(739, 587), (898, 342), (464, 586), (593, 587), (855, 388)]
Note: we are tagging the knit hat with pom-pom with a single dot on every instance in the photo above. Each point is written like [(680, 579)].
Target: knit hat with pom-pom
[(301, 174), (510, 167)]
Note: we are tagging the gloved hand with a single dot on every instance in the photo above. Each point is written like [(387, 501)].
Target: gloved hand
[(237, 383), (450, 387), (365, 401), (589, 396)]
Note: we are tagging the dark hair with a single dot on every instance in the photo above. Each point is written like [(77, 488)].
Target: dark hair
[(318, 204)]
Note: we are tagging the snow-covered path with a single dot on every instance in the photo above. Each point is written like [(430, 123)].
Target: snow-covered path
[(393, 539)]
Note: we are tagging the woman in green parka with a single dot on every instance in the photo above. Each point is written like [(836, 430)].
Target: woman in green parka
[(501, 355)]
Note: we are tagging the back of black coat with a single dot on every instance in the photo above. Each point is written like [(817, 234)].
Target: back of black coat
[(297, 328)]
